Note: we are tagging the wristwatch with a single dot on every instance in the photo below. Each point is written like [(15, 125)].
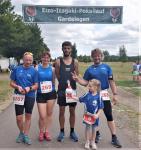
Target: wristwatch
[(30, 88)]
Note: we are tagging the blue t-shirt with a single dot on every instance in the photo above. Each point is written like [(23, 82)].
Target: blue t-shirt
[(25, 77), (92, 104), (100, 72), (45, 74)]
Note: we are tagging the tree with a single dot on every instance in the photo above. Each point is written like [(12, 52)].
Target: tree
[(106, 56), (74, 51), (122, 54), (16, 37)]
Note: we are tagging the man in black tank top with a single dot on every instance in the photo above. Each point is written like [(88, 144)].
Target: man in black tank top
[(63, 68)]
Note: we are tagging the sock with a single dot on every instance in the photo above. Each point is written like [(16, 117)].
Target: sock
[(97, 133), (71, 130), (113, 135), (62, 130)]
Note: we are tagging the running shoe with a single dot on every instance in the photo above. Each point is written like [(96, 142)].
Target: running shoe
[(20, 138), (87, 145), (115, 142), (27, 140), (73, 136), (61, 137), (47, 136), (41, 136)]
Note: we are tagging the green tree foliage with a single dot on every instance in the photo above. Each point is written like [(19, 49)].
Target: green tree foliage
[(74, 51), (16, 37), (84, 58), (106, 56), (122, 54)]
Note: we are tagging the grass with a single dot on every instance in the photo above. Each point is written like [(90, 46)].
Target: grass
[(122, 75), (5, 90)]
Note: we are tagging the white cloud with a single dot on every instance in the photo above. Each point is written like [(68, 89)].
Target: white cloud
[(90, 36)]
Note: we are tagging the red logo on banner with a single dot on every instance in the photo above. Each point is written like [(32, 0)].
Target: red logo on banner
[(30, 11)]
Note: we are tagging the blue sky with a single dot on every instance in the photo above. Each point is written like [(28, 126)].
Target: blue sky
[(89, 36)]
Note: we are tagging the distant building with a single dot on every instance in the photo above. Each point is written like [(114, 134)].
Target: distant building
[(6, 62)]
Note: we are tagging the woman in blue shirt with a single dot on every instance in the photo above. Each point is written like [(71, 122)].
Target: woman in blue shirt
[(46, 95), (24, 79)]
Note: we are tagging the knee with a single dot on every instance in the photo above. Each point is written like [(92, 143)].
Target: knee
[(72, 113), (49, 113), (28, 117), (19, 118)]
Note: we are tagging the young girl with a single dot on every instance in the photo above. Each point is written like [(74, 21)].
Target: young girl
[(93, 107)]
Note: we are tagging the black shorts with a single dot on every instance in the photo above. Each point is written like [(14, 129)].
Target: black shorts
[(44, 97), (28, 106), (108, 110), (61, 101)]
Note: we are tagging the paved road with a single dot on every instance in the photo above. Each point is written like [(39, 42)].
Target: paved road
[(8, 132)]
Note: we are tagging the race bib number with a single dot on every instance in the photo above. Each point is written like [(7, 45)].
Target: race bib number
[(46, 86), (105, 95), (18, 99), (71, 96), (89, 119)]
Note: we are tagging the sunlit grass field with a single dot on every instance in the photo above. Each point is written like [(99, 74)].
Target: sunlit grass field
[(122, 75)]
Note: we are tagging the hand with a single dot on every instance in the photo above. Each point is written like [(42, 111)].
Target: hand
[(27, 89), (96, 116), (74, 76), (21, 90), (114, 102)]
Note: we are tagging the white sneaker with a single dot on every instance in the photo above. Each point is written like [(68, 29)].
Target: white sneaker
[(87, 145), (93, 145)]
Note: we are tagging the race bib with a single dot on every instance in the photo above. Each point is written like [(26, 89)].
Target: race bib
[(105, 95), (71, 96), (46, 86), (18, 99), (89, 119)]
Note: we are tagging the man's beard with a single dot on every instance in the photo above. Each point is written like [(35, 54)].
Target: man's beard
[(66, 54)]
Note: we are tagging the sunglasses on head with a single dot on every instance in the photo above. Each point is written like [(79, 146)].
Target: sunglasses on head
[(28, 53)]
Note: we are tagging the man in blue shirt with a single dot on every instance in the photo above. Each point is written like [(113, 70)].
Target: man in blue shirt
[(103, 73), (24, 79)]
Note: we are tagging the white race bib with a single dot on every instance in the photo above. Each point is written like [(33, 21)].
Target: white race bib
[(46, 86), (105, 95), (71, 96), (18, 99)]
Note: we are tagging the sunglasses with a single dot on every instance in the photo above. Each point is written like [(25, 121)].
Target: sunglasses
[(28, 53)]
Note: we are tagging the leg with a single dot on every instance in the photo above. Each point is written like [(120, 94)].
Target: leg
[(73, 135), (72, 116), (49, 110), (27, 123), (42, 116), (29, 103), (62, 116), (19, 109), (87, 136), (93, 144), (111, 123), (108, 113), (62, 122), (20, 122)]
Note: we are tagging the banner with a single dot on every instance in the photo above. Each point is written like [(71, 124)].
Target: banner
[(72, 14)]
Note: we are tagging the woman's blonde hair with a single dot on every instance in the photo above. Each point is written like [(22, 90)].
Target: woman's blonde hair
[(95, 82)]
